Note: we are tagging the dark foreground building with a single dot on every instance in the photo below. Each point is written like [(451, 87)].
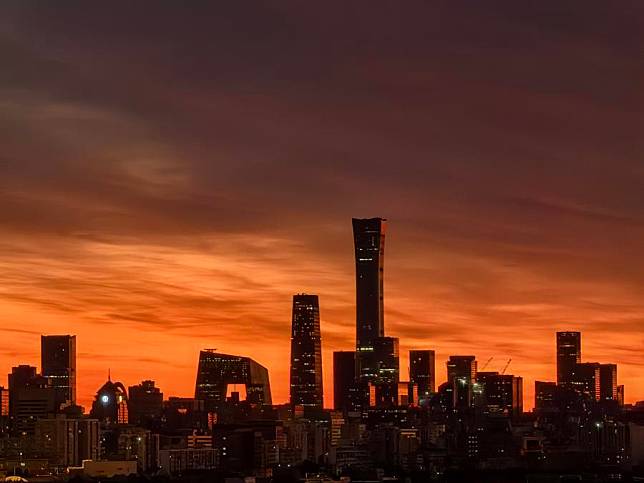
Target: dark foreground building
[(422, 371), (344, 369), (216, 371)]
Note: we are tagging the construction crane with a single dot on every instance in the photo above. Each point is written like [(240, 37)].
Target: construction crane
[(486, 364), (506, 366)]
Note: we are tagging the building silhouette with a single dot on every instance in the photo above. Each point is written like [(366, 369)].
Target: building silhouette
[(145, 403), (306, 352), (30, 398), (502, 393), (68, 442), (608, 382), (20, 377), (461, 376), (344, 371), (369, 244), (585, 378), (217, 371), (383, 387), (568, 355), (545, 395), (58, 363), (110, 403), (422, 371)]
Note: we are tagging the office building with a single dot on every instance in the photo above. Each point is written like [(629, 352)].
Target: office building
[(58, 362), (344, 367), (545, 395), (31, 402), (422, 371), (369, 243), (568, 355), (385, 362), (461, 375), (585, 378), (68, 442), (145, 403), (20, 376), (217, 371), (608, 382), (306, 352), (502, 393)]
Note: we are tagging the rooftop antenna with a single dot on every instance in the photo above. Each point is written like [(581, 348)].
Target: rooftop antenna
[(109, 374)]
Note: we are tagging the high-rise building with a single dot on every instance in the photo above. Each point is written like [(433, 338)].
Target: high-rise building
[(344, 370), (462, 367), (30, 400), (608, 382), (58, 362), (306, 352), (461, 375), (369, 242), (502, 393), (422, 371), (568, 354), (217, 371), (585, 378), (20, 376), (145, 403), (545, 395), (68, 442), (386, 362)]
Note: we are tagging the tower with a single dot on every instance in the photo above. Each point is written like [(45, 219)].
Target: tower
[(369, 244), (58, 362), (306, 352), (568, 355)]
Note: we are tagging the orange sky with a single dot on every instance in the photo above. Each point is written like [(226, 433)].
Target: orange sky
[(168, 185)]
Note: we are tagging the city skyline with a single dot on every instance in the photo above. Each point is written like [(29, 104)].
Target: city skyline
[(457, 366), (171, 185)]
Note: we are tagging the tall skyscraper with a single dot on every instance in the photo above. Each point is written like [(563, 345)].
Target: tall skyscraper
[(568, 355), (216, 371), (608, 382), (369, 242), (422, 371), (344, 378), (58, 361), (306, 352)]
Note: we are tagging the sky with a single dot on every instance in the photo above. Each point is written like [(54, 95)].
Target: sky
[(171, 174)]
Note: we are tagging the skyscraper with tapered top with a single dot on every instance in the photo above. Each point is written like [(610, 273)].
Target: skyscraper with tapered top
[(369, 242), (306, 352)]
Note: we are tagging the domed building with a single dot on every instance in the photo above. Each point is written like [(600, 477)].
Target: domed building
[(110, 403)]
